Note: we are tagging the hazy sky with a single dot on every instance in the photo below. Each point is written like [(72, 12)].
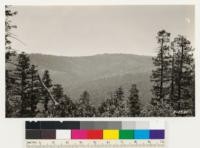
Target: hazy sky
[(89, 30)]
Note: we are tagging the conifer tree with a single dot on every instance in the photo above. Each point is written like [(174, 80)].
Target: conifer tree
[(184, 74), (161, 75), (10, 98), (121, 106), (46, 79), (35, 89), (22, 83), (116, 106), (9, 12), (107, 108), (58, 92), (66, 108), (48, 83), (172, 71), (134, 102), (84, 107)]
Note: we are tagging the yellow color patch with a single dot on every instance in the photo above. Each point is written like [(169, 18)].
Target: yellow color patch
[(110, 134)]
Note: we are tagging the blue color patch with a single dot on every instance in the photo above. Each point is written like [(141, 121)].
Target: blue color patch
[(141, 134)]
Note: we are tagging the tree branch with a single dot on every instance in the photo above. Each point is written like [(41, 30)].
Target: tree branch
[(49, 93)]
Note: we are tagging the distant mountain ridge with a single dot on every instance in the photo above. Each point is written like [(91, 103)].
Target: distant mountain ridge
[(98, 74)]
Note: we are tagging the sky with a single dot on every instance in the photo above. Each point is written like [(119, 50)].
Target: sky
[(90, 30)]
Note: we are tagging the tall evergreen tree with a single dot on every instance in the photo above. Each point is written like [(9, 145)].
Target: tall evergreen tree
[(9, 52), (46, 79), (58, 92), (9, 12), (121, 106), (35, 89), (116, 106), (184, 74), (48, 83), (10, 80), (134, 102), (22, 83), (161, 75), (107, 108), (84, 107), (66, 108), (172, 71)]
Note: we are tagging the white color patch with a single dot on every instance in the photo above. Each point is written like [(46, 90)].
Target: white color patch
[(63, 134)]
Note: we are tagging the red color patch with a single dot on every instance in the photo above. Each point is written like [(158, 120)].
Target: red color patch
[(95, 134)]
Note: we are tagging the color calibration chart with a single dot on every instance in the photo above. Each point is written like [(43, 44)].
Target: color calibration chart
[(89, 134)]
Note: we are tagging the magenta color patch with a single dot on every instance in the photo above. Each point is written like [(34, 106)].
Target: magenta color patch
[(79, 134)]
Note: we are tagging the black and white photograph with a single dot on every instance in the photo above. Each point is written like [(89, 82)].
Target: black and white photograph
[(99, 61)]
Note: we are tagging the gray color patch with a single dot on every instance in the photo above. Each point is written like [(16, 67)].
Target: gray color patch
[(129, 125), (142, 125)]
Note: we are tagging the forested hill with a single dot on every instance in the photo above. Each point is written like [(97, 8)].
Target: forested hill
[(98, 74)]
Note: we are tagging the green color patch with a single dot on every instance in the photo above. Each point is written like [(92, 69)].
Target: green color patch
[(126, 134)]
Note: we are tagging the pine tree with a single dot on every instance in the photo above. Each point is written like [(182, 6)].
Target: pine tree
[(134, 102), (107, 108), (35, 89), (22, 83), (161, 75), (66, 108), (121, 106), (10, 99), (9, 12), (184, 74), (84, 107), (9, 52), (48, 83), (58, 92), (172, 71), (46, 79), (116, 106)]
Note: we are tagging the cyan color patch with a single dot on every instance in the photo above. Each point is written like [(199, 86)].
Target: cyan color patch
[(141, 134)]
